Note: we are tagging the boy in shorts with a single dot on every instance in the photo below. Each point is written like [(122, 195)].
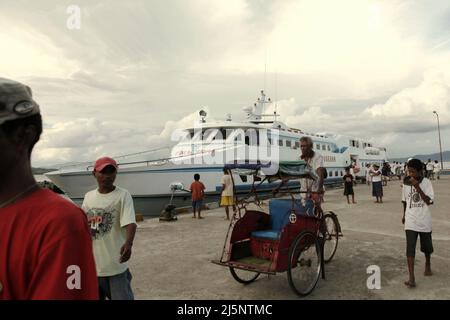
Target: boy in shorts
[(417, 196), (198, 193)]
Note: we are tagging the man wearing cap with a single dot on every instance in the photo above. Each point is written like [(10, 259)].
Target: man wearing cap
[(45, 246), (112, 219)]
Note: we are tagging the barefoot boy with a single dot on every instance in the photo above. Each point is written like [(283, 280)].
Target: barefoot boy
[(348, 185), (198, 193), (417, 196)]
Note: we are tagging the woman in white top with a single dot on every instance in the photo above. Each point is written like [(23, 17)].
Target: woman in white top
[(377, 187)]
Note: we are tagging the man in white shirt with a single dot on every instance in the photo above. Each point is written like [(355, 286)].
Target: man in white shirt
[(394, 169), (315, 161), (417, 196), (436, 170), (112, 219), (429, 168)]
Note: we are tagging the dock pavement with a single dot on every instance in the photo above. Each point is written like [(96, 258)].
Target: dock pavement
[(171, 260)]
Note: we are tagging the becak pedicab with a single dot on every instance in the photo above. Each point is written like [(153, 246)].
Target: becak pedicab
[(296, 236)]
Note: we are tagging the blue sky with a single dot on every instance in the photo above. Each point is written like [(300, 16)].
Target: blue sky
[(136, 70)]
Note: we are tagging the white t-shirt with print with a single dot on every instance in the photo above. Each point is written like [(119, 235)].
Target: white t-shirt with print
[(108, 214), (307, 184), (417, 214), (228, 191), (430, 166)]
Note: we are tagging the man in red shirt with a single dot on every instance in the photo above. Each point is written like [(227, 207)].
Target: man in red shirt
[(198, 192), (45, 245)]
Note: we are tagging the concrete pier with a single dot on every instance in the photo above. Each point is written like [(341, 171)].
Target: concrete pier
[(172, 260)]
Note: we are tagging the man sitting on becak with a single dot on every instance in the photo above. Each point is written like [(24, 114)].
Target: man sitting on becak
[(315, 161)]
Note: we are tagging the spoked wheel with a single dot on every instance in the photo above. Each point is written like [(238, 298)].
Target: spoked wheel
[(304, 263), (330, 233), (243, 276)]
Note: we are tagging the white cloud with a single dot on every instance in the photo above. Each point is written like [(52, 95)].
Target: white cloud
[(24, 50), (87, 139), (139, 68), (411, 109)]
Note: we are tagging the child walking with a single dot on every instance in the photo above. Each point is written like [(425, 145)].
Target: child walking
[(198, 193), (348, 185), (417, 197)]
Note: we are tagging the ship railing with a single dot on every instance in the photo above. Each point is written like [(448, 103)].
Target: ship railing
[(148, 163)]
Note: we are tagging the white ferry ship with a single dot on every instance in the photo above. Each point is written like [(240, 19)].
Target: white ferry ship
[(148, 181)]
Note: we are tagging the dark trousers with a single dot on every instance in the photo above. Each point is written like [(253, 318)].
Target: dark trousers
[(117, 287)]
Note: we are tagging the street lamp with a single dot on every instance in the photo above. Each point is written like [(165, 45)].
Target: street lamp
[(440, 145)]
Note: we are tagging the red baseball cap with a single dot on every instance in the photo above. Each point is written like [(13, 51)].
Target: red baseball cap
[(103, 162)]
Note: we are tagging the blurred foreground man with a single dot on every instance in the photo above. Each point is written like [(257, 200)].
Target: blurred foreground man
[(45, 247), (111, 215)]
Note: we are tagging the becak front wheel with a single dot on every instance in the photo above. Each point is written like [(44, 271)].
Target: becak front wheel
[(305, 263)]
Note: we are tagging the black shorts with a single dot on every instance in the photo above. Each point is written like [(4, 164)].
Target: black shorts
[(348, 189), (426, 243)]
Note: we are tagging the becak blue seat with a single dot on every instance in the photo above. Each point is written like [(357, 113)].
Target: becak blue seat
[(279, 210)]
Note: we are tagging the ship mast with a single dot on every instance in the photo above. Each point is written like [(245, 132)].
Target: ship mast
[(256, 114)]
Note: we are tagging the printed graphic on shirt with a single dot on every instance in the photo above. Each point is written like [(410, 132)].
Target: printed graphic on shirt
[(101, 221), (416, 200)]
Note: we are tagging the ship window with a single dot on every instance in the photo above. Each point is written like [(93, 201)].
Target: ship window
[(328, 147), (297, 144), (342, 174), (318, 146), (288, 143), (336, 173), (190, 134), (330, 173), (280, 143), (323, 147), (252, 137), (269, 140)]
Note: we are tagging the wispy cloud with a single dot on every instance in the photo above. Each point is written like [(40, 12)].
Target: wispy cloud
[(133, 68)]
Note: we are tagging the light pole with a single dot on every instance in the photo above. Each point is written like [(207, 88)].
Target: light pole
[(440, 144)]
